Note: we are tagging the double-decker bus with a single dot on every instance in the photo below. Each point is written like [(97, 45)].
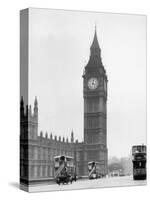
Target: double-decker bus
[(94, 169), (64, 169), (139, 162)]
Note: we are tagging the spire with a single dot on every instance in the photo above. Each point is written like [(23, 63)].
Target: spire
[(55, 137), (36, 109), (67, 140), (21, 108), (72, 136), (95, 60), (60, 138), (30, 111), (95, 44), (35, 102), (51, 136), (22, 102), (27, 111)]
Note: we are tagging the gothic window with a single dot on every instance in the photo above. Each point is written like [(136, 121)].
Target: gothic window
[(94, 139), (31, 172), (35, 171), (44, 153), (101, 105), (91, 155), (77, 156), (89, 139), (50, 153), (101, 81), (38, 171), (85, 156), (31, 132), (30, 152), (55, 152), (46, 171), (51, 171), (93, 106), (39, 152), (92, 122), (35, 153), (43, 171), (63, 152)]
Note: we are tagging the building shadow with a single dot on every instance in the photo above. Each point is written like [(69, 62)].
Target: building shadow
[(15, 185)]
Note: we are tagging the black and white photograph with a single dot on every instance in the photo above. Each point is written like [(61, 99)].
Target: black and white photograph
[(82, 100)]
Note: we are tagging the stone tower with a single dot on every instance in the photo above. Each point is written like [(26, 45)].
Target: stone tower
[(95, 109)]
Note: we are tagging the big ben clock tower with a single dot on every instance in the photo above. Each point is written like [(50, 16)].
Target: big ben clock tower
[(95, 109)]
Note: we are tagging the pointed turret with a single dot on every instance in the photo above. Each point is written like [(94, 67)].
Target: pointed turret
[(95, 44), (36, 109), (29, 112), (22, 102), (67, 140), (77, 141), (95, 60), (51, 136), (72, 136), (22, 108), (55, 137), (35, 102)]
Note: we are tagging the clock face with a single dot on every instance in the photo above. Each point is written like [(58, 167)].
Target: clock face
[(93, 83)]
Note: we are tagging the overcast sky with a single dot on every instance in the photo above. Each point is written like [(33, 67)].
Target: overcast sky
[(59, 49)]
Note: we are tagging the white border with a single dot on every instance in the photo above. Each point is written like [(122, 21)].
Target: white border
[(9, 101)]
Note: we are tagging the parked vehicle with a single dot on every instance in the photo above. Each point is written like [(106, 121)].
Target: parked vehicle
[(94, 169), (64, 169), (139, 162)]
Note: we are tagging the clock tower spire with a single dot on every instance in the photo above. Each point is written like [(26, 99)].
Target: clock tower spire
[(95, 44), (95, 108), (95, 53)]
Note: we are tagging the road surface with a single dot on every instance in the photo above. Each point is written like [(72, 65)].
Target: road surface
[(87, 184)]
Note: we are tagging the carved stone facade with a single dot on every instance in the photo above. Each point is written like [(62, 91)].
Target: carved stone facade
[(37, 151)]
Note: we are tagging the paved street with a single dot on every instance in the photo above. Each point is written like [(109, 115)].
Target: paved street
[(85, 184)]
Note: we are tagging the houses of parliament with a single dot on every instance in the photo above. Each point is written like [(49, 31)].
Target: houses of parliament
[(38, 149)]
